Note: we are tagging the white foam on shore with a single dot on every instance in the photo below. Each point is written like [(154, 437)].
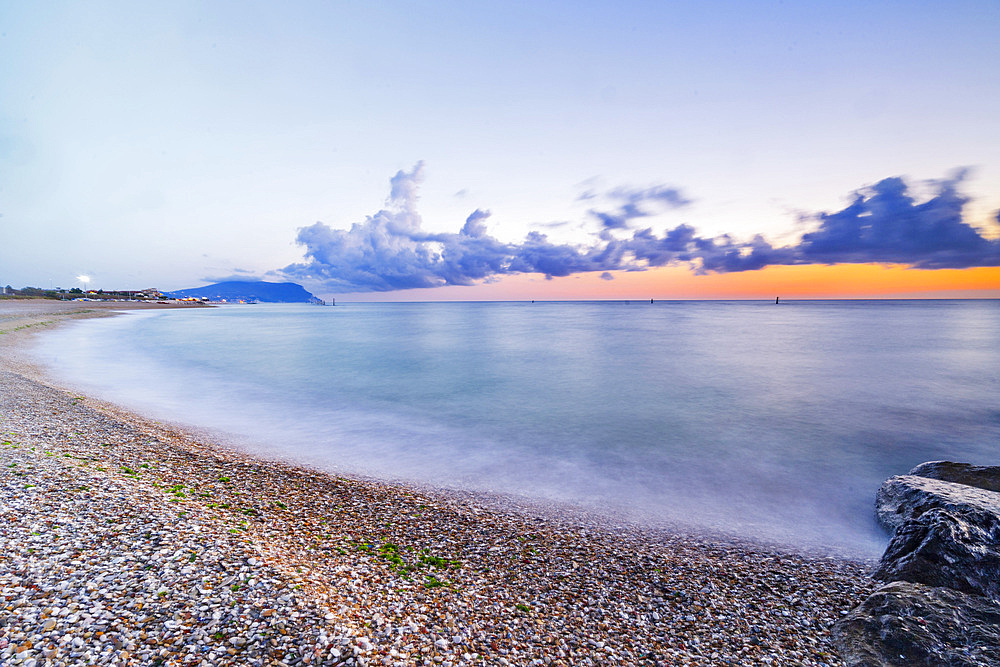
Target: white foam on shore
[(408, 447), (415, 394)]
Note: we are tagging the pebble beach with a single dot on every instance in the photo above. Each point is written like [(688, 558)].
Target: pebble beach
[(125, 541)]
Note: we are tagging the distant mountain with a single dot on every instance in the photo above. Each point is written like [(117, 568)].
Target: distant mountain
[(249, 290)]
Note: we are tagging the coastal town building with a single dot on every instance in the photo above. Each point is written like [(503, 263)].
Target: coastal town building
[(148, 294)]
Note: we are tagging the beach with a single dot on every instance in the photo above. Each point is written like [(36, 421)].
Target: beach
[(132, 542)]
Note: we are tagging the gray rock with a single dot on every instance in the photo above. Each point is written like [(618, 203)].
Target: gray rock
[(943, 605), (912, 625), (906, 497), (947, 547), (982, 477)]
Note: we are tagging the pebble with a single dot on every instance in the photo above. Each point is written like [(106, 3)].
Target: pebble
[(126, 542)]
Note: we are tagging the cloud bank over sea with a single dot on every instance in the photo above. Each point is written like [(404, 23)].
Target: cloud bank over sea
[(883, 223)]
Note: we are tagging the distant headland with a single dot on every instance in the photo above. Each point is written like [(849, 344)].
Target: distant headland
[(249, 291)]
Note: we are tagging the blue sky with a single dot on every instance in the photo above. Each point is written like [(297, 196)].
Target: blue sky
[(166, 144)]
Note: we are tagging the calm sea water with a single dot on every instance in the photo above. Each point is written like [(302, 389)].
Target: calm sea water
[(775, 422)]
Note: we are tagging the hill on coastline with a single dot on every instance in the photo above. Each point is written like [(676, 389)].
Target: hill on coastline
[(249, 290)]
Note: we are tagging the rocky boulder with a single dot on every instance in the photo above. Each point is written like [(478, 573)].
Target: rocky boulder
[(912, 625), (952, 548), (981, 477), (943, 605), (904, 498)]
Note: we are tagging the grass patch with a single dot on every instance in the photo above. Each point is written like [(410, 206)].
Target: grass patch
[(433, 582), (391, 552)]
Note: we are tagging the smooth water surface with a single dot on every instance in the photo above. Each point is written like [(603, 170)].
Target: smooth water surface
[(774, 422)]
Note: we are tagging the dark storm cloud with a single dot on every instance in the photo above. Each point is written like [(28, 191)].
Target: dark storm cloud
[(390, 251)]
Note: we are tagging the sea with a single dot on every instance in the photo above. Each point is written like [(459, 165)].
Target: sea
[(763, 421)]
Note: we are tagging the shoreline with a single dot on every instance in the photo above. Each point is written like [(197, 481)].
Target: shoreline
[(358, 571)]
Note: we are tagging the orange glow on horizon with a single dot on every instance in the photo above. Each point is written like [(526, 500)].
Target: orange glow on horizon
[(812, 281)]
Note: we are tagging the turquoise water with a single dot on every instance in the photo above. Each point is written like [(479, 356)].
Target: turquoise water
[(773, 422)]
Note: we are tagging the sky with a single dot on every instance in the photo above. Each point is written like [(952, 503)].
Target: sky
[(466, 150)]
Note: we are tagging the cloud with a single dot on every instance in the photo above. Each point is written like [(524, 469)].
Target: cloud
[(475, 224), (389, 250), (885, 224), (635, 204)]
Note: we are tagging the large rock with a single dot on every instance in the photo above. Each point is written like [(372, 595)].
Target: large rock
[(959, 549), (912, 625), (943, 605), (982, 477), (906, 497)]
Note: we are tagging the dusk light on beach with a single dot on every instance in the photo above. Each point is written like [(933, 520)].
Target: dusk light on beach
[(637, 333)]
